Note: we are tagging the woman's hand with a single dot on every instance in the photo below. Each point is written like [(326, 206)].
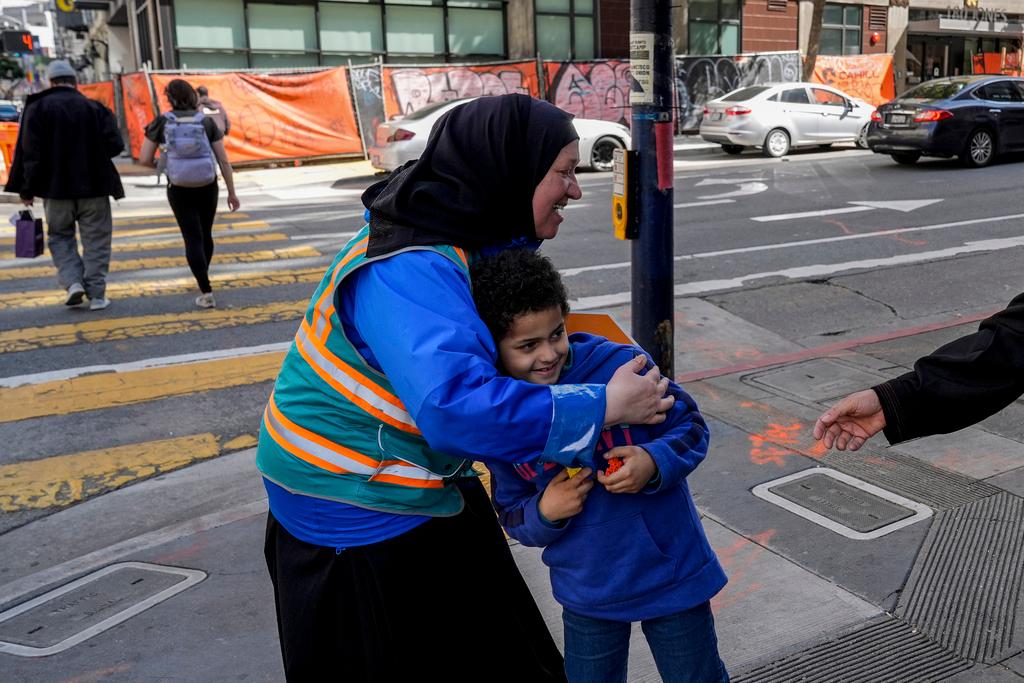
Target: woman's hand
[(851, 422), (564, 495), (637, 470), (632, 399), (233, 202)]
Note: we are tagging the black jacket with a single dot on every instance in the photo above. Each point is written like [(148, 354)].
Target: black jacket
[(960, 383), (64, 150)]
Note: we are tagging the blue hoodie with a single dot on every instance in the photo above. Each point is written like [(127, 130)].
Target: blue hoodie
[(625, 557)]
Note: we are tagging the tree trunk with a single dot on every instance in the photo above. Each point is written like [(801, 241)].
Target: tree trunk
[(813, 39)]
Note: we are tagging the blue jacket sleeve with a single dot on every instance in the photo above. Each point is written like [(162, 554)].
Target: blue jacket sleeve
[(415, 313), (682, 442), (516, 502)]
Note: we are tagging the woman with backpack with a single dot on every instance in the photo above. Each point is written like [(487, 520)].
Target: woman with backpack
[(191, 142)]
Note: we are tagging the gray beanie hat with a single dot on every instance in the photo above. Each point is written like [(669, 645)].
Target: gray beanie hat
[(59, 68)]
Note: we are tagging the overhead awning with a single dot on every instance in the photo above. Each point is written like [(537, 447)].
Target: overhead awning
[(966, 27)]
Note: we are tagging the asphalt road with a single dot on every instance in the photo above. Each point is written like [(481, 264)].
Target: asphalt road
[(819, 247)]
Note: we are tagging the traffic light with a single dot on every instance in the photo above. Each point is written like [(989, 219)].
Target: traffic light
[(17, 42)]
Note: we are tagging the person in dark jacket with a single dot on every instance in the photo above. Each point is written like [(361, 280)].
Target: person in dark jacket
[(63, 154), (630, 549), (214, 109), (955, 386)]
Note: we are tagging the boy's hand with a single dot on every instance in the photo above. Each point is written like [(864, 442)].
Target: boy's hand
[(637, 470), (564, 495)]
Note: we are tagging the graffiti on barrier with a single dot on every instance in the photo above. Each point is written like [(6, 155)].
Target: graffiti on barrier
[(591, 90), (368, 98), (409, 89), (700, 79)]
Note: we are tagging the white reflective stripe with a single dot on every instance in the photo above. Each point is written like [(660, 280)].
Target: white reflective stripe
[(410, 472), (301, 443), (350, 383), (305, 445)]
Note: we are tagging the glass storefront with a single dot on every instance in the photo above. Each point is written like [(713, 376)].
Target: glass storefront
[(933, 55), (241, 33)]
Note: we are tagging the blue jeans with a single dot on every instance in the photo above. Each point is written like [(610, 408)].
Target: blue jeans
[(684, 645)]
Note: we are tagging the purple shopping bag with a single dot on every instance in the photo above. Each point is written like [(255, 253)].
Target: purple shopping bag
[(28, 239)]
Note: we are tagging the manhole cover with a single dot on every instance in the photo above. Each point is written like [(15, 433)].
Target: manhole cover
[(844, 504), (77, 611), (820, 379)]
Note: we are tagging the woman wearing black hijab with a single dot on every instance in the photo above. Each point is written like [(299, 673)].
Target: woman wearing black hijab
[(387, 561)]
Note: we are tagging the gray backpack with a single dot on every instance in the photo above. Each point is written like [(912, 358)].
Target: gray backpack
[(189, 155)]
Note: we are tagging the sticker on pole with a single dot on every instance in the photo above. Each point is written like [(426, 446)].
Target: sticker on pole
[(641, 68)]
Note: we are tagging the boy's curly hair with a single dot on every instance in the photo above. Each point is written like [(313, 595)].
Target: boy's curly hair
[(512, 283)]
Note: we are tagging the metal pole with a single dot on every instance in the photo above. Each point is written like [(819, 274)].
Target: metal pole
[(651, 100)]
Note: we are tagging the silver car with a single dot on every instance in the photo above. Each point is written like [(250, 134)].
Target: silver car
[(778, 117), (403, 139)]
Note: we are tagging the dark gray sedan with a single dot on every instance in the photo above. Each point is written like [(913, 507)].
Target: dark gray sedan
[(975, 118)]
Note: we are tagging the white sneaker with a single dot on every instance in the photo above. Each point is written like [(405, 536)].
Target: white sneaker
[(206, 300), (76, 292), (98, 304)]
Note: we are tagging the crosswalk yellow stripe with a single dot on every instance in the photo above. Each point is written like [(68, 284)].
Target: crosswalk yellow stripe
[(103, 329), (304, 251), (150, 219), (109, 390), (220, 238), (65, 479), (37, 298), (140, 232)]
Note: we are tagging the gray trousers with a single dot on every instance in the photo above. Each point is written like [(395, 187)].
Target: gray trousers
[(96, 226)]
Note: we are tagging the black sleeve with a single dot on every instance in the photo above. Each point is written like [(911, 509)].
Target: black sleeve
[(155, 129), (960, 383), (109, 132), (212, 131)]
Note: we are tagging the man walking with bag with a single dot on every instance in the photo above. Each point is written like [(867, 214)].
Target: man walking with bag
[(63, 154)]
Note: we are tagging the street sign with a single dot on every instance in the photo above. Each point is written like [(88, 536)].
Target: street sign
[(17, 42)]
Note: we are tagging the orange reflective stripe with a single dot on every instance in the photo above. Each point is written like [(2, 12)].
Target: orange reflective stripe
[(328, 294), (462, 255), (291, 437), (367, 396)]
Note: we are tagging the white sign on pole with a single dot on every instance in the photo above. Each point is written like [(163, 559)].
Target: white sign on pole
[(641, 67)]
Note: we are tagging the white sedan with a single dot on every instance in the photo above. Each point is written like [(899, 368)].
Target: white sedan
[(778, 117), (403, 139)]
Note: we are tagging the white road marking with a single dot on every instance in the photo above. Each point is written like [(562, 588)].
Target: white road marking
[(803, 272), (710, 202), (324, 235), (904, 205), (747, 186)]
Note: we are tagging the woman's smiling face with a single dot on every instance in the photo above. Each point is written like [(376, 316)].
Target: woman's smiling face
[(555, 190)]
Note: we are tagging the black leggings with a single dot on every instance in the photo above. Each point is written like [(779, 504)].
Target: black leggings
[(194, 208)]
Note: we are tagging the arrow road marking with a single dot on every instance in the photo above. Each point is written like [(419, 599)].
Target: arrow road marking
[(747, 186), (904, 205)]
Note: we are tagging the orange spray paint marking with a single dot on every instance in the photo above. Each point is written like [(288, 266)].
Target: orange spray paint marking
[(765, 445), (737, 559)]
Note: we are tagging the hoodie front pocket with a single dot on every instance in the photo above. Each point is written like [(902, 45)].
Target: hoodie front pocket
[(609, 562)]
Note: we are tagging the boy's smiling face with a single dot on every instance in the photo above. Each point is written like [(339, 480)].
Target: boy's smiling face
[(535, 347)]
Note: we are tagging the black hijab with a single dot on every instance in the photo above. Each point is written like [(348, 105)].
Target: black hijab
[(473, 186)]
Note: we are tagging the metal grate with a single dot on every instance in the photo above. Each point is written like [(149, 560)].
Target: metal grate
[(881, 652), (777, 5), (965, 589)]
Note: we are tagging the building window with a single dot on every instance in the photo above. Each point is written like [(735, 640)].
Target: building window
[(841, 30), (565, 29), (714, 27), (240, 33)]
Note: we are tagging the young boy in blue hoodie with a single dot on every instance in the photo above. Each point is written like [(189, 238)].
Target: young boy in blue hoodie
[(630, 548)]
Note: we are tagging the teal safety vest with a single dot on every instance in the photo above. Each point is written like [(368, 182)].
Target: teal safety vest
[(334, 427)]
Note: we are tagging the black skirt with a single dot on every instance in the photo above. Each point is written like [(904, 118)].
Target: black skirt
[(444, 601)]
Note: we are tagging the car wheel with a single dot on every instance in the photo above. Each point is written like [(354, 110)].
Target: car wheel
[(862, 138), (603, 153), (732, 149), (776, 143), (980, 149), (906, 158)]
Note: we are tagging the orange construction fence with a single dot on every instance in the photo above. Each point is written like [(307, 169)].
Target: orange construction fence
[(280, 117), (102, 92), (997, 63), (138, 108), (8, 139), (868, 77)]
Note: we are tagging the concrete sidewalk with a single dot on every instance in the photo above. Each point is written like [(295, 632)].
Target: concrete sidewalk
[(891, 564)]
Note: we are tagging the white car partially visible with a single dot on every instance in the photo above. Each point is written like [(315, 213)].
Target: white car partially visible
[(403, 139)]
